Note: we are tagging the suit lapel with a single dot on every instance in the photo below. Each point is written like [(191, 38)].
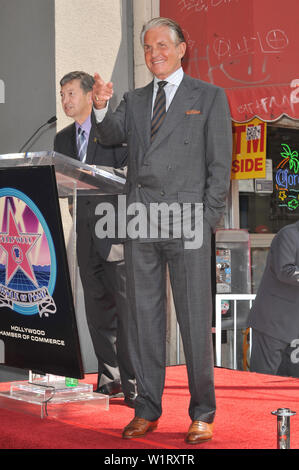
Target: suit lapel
[(142, 110), (185, 97), (73, 142), (91, 148)]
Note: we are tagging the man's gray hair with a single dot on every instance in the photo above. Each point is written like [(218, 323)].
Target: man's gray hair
[(86, 80), (174, 27)]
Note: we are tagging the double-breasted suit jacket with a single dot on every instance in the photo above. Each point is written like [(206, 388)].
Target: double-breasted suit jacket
[(190, 158)]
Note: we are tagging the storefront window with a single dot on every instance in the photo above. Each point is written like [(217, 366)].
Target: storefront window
[(268, 205)]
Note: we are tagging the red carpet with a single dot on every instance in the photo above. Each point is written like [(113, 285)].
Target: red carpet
[(243, 420)]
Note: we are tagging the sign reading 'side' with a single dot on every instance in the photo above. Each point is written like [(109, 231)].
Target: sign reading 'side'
[(249, 150), (37, 318)]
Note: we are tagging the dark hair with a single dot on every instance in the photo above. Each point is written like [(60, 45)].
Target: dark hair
[(86, 80), (175, 28)]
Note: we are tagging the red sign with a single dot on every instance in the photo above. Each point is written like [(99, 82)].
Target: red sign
[(249, 150), (250, 48)]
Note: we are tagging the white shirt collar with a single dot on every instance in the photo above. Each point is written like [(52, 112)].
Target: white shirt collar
[(174, 79)]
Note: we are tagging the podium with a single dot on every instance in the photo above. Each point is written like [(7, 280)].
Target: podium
[(39, 277)]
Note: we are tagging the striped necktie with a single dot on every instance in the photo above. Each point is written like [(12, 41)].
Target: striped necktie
[(159, 111), (82, 144)]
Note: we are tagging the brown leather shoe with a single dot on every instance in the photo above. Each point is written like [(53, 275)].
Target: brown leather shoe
[(138, 427), (199, 431)]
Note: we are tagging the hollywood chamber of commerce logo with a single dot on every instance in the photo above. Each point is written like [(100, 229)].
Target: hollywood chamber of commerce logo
[(27, 256)]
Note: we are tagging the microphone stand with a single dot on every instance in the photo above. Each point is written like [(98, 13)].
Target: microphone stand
[(52, 119)]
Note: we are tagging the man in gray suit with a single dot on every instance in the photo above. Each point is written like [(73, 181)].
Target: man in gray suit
[(274, 317), (185, 160)]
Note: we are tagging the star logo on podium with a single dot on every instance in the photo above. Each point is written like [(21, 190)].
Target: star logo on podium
[(17, 246)]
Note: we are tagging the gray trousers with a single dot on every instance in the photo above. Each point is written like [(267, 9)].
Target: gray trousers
[(190, 279)]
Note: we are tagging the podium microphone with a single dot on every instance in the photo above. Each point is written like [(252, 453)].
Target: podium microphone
[(50, 121)]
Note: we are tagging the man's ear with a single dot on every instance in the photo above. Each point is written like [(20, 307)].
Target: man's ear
[(89, 97), (182, 49)]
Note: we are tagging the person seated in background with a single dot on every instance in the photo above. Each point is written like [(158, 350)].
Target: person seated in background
[(274, 316)]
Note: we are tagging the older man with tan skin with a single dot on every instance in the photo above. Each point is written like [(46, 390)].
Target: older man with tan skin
[(178, 133)]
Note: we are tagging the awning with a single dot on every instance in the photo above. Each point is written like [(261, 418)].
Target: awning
[(248, 47), (269, 103)]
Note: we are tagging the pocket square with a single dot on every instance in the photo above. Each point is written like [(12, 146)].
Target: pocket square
[(193, 111)]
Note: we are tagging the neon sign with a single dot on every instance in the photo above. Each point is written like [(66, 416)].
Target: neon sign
[(287, 178)]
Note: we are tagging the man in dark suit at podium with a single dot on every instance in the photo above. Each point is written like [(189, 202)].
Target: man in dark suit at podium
[(100, 261)]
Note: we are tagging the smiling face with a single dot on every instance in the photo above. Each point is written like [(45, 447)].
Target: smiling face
[(76, 103), (162, 54)]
